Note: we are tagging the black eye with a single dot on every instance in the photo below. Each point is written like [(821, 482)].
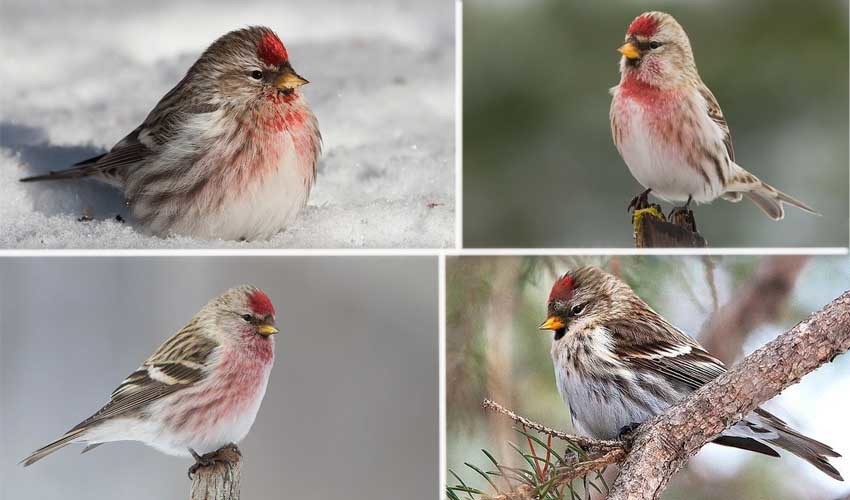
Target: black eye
[(247, 317), (577, 309), (654, 45), (256, 74)]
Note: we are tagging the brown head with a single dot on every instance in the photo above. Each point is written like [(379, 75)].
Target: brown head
[(246, 66), (583, 297), (657, 51)]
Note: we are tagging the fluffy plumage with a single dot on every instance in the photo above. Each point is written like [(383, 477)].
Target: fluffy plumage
[(230, 152), (200, 390), (617, 363), (670, 130)]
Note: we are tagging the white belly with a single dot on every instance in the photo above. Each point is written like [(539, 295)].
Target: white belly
[(266, 207), (659, 162), (598, 407)]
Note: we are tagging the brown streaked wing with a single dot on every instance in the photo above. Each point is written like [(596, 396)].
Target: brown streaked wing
[(716, 114), (181, 359), (641, 348)]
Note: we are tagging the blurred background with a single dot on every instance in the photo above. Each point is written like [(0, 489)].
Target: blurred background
[(351, 408), (732, 305), (541, 169)]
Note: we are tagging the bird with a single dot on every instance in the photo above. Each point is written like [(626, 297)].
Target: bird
[(618, 363), (229, 153), (198, 392), (669, 128)]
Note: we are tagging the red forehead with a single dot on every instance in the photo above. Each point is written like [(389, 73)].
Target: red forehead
[(644, 25), (260, 304), (562, 289), (271, 50)]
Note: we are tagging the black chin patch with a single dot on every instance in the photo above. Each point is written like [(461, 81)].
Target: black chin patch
[(559, 334), (286, 92)]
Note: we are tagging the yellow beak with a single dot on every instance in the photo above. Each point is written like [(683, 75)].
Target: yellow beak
[(552, 323), (629, 51), (289, 80), (266, 330)]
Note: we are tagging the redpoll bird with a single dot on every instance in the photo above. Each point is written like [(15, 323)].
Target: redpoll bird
[(230, 152), (199, 391), (618, 363), (668, 126)]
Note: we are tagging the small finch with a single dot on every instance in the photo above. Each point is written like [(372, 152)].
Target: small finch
[(199, 391), (618, 363), (230, 152), (670, 130)]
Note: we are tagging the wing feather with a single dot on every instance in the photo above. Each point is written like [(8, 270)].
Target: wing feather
[(716, 114), (679, 359), (179, 363)]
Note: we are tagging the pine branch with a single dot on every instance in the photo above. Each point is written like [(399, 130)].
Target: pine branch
[(588, 444), (595, 456)]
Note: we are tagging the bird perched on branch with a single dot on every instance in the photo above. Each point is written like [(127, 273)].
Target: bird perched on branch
[(618, 364), (229, 153), (199, 391), (670, 130)]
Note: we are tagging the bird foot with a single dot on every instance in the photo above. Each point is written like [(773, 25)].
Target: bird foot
[(639, 202), (627, 431), (683, 217), (640, 206), (226, 454)]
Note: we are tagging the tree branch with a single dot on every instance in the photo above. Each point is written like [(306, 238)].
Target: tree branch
[(220, 479), (600, 454), (588, 444), (664, 444)]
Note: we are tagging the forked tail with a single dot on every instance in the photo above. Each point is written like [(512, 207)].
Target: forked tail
[(765, 196)]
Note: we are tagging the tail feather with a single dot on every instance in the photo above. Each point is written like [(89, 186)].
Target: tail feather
[(795, 202), (62, 442), (784, 437), (748, 444), (770, 206), (806, 449), (765, 196), (84, 168)]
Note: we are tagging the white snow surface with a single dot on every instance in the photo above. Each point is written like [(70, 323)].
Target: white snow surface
[(382, 86)]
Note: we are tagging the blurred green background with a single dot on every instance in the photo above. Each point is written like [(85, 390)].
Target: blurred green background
[(494, 350), (541, 170)]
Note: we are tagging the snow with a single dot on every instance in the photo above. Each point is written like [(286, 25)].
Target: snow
[(382, 88)]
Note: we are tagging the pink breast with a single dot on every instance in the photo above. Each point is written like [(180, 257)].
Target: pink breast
[(238, 381)]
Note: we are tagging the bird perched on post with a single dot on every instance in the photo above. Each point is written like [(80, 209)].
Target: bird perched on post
[(618, 363), (670, 130), (229, 153), (199, 391)]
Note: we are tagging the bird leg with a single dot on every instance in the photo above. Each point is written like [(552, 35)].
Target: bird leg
[(683, 216), (640, 207), (627, 431), (639, 202), (223, 454)]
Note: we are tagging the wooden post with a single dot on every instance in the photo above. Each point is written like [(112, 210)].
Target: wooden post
[(220, 479), (652, 229)]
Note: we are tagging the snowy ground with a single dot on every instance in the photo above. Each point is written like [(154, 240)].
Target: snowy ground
[(382, 74)]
